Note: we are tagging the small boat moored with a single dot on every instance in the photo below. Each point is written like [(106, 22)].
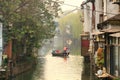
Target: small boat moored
[(59, 53)]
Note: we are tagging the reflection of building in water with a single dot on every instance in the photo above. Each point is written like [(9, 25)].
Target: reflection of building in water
[(86, 71)]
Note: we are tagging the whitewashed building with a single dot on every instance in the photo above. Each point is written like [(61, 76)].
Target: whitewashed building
[(104, 27)]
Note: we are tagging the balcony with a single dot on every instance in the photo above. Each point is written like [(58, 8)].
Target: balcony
[(116, 2)]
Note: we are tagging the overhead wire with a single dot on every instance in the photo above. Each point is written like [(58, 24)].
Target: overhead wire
[(70, 5), (88, 9), (101, 11)]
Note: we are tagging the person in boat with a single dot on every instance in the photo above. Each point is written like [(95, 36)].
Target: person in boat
[(65, 51), (53, 51), (68, 51)]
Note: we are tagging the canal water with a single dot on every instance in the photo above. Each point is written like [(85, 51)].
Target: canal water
[(57, 68)]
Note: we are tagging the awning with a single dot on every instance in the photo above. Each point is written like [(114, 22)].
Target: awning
[(111, 30), (97, 33), (115, 35), (113, 20)]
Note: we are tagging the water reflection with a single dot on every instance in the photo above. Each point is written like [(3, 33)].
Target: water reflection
[(56, 68), (37, 73), (39, 70), (86, 72)]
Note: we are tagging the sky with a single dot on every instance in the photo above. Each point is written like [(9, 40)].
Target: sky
[(71, 2)]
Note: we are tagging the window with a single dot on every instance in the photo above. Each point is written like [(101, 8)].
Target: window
[(119, 60), (116, 58), (113, 41), (101, 18), (116, 62), (119, 40)]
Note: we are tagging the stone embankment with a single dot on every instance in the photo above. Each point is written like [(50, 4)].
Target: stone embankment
[(16, 69)]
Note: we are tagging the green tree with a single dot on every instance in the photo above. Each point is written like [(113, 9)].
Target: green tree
[(28, 22), (72, 20)]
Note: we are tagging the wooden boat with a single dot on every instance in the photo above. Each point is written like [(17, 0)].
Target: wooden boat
[(58, 53)]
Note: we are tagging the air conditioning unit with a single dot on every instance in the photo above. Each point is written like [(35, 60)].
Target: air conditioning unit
[(116, 1)]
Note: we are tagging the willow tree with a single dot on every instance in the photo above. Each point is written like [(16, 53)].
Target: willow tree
[(28, 22)]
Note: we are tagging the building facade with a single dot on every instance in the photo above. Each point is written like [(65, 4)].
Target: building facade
[(105, 32)]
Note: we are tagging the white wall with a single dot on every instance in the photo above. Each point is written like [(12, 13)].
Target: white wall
[(87, 17), (98, 9), (112, 8)]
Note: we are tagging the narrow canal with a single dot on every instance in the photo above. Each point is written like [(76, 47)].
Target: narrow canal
[(56, 68)]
